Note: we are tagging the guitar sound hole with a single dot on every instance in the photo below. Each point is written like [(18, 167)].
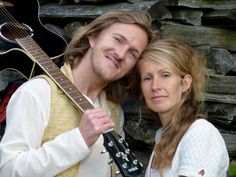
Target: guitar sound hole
[(12, 31)]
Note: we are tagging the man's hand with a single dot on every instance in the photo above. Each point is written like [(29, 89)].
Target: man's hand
[(93, 123)]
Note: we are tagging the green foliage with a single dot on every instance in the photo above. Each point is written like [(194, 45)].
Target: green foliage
[(232, 169)]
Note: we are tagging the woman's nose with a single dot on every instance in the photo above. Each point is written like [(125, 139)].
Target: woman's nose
[(156, 84)]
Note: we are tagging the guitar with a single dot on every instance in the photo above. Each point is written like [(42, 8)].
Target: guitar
[(118, 149), (13, 16)]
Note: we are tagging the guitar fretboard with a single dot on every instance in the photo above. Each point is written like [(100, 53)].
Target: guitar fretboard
[(12, 31), (53, 71)]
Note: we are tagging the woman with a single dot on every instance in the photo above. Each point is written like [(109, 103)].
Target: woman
[(172, 78)]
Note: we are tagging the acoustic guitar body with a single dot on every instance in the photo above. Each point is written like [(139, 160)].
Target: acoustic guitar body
[(13, 13)]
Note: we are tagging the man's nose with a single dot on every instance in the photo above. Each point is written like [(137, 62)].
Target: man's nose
[(121, 53)]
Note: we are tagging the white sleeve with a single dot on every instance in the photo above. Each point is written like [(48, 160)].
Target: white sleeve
[(203, 148), (21, 153)]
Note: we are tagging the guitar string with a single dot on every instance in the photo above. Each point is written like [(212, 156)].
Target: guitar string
[(5, 12), (123, 148), (14, 32), (65, 84), (9, 17), (20, 32)]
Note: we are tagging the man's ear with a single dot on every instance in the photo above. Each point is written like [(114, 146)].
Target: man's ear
[(92, 40), (187, 81)]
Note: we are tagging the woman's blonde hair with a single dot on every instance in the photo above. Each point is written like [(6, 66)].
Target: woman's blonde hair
[(182, 60), (79, 43)]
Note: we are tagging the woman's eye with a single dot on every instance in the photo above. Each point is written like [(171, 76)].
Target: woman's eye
[(165, 75), (146, 78)]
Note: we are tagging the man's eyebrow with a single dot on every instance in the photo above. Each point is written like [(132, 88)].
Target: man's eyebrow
[(119, 35)]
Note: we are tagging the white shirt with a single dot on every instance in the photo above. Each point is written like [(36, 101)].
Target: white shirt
[(201, 148), (21, 153)]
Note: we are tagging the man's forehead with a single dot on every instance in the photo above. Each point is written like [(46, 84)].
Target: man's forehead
[(124, 26)]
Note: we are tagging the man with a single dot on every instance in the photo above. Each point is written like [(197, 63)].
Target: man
[(46, 135)]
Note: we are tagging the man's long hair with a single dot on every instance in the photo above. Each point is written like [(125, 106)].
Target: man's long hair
[(79, 44)]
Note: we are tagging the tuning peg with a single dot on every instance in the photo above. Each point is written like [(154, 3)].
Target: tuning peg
[(127, 151), (104, 151), (110, 144), (110, 162), (124, 165), (135, 162), (118, 154), (117, 173), (121, 140)]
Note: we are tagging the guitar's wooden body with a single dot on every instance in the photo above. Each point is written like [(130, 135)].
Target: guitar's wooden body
[(13, 56)]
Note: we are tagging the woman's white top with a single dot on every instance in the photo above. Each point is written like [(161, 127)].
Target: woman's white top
[(201, 148)]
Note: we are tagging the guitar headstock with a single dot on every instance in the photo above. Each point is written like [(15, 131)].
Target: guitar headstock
[(121, 154)]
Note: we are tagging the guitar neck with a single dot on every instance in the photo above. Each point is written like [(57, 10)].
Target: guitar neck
[(113, 142), (53, 71)]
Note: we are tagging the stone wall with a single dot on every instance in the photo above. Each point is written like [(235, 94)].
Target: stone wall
[(208, 26)]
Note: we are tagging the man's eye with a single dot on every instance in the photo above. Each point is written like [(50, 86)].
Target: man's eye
[(134, 56), (117, 39)]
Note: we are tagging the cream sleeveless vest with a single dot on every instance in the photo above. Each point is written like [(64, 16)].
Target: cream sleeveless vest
[(64, 115)]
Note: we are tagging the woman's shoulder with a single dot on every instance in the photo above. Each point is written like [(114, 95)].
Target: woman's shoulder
[(203, 133), (203, 145), (203, 129), (203, 124)]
